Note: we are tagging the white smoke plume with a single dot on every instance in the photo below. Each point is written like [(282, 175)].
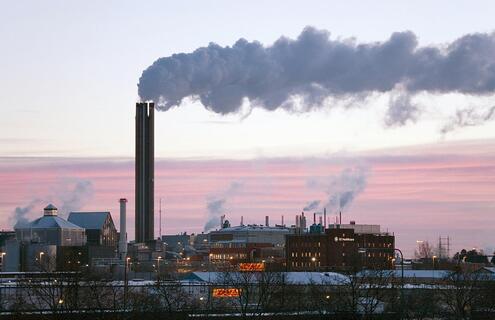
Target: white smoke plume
[(314, 67), (216, 204), (75, 195), (341, 189), (469, 117), (20, 216), (312, 205), (70, 194)]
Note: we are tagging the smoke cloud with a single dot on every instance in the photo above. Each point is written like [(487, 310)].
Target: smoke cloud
[(314, 67), (75, 196), (21, 214), (312, 205), (216, 204), (341, 189), (71, 194), (469, 117)]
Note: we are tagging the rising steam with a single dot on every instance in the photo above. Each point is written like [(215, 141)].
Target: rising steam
[(314, 67), (20, 216), (71, 194), (216, 204), (312, 205), (340, 190)]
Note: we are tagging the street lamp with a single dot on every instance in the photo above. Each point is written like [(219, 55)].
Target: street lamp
[(158, 264), (127, 259), (41, 254), (433, 258)]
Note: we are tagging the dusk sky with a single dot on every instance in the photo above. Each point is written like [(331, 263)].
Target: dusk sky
[(69, 78)]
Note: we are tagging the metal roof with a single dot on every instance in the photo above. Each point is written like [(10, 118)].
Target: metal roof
[(300, 278), (48, 222), (418, 274), (89, 220)]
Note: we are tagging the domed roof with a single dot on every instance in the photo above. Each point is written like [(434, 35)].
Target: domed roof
[(49, 222)]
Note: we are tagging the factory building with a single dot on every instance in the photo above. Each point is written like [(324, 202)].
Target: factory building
[(145, 172), (38, 243), (51, 229), (99, 226), (248, 243), (340, 247)]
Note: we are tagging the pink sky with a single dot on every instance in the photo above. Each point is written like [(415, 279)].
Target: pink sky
[(418, 193)]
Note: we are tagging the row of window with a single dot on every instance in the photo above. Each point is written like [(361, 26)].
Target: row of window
[(306, 254), (222, 256), (379, 245), (306, 264), (311, 244)]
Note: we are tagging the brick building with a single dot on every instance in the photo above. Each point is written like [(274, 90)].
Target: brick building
[(340, 247)]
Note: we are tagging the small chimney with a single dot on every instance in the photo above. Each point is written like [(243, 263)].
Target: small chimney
[(325, 217), (123, 230)]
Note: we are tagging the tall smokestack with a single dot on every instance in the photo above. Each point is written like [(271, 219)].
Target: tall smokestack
[(145, 172), (314, 217), (340, 217), (123, 229), (267, 221), (282, 220)]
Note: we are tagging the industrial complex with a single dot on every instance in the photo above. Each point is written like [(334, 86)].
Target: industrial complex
[(315, 265), (91, 240)]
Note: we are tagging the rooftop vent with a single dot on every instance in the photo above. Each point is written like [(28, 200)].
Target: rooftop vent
[(50, 210)]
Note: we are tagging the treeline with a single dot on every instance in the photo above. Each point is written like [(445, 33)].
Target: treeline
[(264, 295)]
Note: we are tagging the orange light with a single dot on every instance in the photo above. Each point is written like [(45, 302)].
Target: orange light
[(226, 293), (251, 266)]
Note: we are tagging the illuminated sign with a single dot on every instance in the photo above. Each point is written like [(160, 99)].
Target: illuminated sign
[(251, 267), (337, 239), (226, 293)]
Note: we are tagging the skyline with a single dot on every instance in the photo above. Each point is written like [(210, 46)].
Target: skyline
[(70, 76), (454, 199)]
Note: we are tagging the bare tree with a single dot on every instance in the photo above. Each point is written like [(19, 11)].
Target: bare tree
[(424, 250), (101, 295), (54, 292), (420, 303), (257, 290), (460, 292), (171, 294), (363, 294)]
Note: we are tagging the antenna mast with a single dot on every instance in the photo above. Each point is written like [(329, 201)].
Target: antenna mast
[(160, 232)]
